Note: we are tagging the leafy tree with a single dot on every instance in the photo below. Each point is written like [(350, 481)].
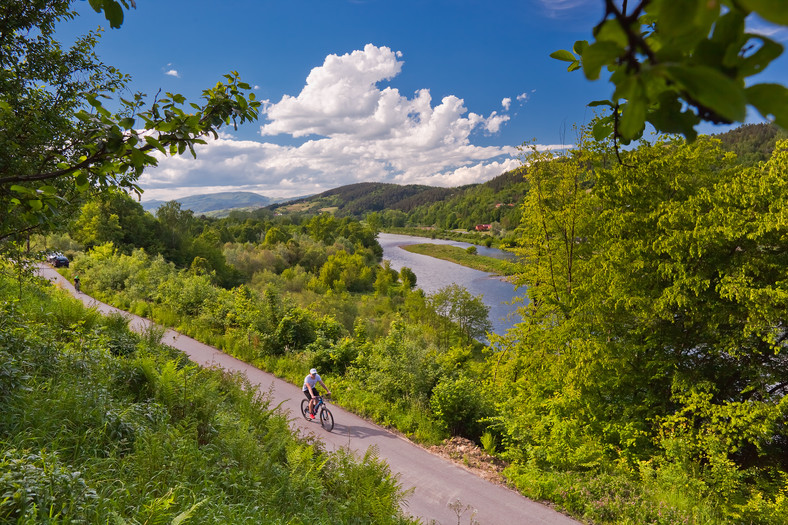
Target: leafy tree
[(275, 236), (323, 228), (385, 278), (59, 140), (374, 221), (114, 216), (662, 338), (675, 64), (177, 227), (408, 277), (343, 271), (455, 304)]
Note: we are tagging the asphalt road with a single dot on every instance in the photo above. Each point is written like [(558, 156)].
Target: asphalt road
[(435, 483)]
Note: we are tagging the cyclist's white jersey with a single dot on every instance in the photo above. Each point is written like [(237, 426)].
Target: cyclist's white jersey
[(310, 383)]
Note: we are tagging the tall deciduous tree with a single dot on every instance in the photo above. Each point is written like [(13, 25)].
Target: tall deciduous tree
[(456, 304), (57, 138)]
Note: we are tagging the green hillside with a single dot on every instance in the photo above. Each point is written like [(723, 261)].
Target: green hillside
[(752, 143), (359, 199)]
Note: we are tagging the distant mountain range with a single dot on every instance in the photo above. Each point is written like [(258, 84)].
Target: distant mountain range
[(212, 202)]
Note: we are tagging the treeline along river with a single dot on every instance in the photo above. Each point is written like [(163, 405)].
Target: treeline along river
[(433, 274)]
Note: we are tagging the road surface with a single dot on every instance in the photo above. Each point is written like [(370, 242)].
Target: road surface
[(435, 483)]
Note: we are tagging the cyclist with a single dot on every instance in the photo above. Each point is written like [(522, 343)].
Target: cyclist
[(310, 391)]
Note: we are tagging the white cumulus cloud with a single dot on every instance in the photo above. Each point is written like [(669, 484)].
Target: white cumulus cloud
[(346, 125), (173, 73)]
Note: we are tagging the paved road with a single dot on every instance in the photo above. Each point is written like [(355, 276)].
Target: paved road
[(436, 483)]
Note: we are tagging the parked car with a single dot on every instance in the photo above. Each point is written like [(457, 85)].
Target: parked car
[(57, 260)]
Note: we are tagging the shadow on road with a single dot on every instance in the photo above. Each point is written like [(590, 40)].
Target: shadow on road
[(361, 432)]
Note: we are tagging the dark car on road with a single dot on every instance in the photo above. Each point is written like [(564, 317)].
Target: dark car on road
[(57, 260)]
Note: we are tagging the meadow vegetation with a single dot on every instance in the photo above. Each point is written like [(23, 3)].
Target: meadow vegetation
[(102, 425)]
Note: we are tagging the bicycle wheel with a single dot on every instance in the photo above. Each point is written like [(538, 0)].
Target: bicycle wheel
[(305, 408), (326, 419)]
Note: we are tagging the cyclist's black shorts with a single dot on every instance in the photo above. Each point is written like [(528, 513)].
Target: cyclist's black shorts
[(314, 393)]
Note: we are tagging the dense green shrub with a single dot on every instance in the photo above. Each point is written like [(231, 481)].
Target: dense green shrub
[(459, 403)]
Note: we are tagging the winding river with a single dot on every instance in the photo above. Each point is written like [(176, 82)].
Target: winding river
[(433, 274)]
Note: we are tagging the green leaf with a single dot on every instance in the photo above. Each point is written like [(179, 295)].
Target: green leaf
[(667, 117), (156, 144), (597, 55), (770, 100), (603, 128), (81, 180), (35, 204), (48, 190), (712, 89), (675, 18), (611, 31), (113, 12), (772, 10), (580, 46), (729, 28), (633, 117), (597, 103), (758, 61), (563, 54)]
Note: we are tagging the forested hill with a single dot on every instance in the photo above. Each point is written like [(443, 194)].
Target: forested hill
[(752, 143), (415, 200), (364, 197)]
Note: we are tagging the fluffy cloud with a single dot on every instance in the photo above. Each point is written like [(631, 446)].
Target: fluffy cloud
[(345, 126), (173, 73)]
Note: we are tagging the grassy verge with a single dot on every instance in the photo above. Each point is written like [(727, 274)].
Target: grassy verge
[(102, 425), (462, 257)]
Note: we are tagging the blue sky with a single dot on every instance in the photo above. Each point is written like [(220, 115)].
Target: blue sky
[(436, 92)]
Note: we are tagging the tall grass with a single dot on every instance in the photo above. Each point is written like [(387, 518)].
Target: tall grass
[(100, 425)]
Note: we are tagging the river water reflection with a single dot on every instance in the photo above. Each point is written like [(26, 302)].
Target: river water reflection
[(433, 274)]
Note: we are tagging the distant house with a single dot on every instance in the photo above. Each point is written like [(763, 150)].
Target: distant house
[(483, 227)]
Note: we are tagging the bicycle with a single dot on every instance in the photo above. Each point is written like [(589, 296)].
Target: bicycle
[(321, 411)]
